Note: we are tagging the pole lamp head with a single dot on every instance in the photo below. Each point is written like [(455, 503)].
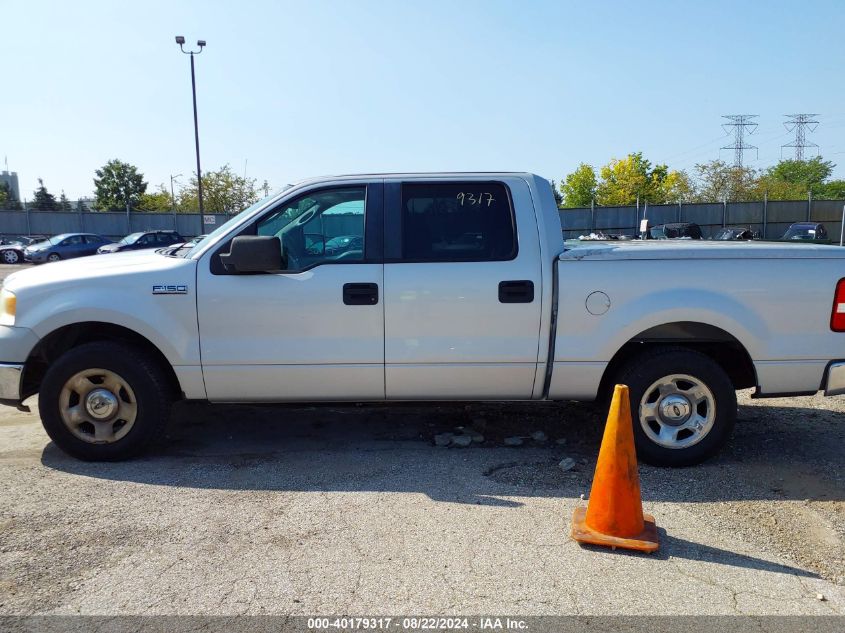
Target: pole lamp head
[(180, 40), (200, 43)]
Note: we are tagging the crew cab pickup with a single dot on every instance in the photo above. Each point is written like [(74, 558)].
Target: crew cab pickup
[(411, 287)]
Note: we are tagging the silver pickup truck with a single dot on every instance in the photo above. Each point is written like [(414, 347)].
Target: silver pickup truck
[(409, 287)]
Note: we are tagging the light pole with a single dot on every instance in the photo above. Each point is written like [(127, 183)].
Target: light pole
[(173, 200), (180, 40)]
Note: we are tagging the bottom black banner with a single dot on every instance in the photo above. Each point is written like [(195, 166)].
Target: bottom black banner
[(402, 624)]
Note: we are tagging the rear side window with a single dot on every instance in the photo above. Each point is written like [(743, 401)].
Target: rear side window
[(444, 222)]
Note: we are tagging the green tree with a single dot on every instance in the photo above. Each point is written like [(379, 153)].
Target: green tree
[(833, 190), (718, 181), (557, 194), (794, 179), (157, 202), (118, 186), (579, 187), (8, 200), (677, 187), (223, 192), (43, 200), (64, 203), (624, 181), (80, 207)]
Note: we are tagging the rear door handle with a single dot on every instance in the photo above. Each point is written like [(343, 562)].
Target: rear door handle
[(520, 291), (360, 294)]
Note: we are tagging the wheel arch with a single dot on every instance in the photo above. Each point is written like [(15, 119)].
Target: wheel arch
[(712, 341), (66, 337)]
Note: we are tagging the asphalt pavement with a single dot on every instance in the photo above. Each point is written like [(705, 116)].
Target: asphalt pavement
[(321, 510)]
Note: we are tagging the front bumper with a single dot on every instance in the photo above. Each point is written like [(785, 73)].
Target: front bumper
[(835, 383), (10, 383), (16, 344), (35, 258)]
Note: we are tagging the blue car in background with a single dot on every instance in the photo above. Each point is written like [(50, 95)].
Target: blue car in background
[(64, 246), (142, 240)]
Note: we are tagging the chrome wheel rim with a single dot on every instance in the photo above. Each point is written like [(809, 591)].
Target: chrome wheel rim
[(98, 406), (53, 257), (10, 257), (677, 411)]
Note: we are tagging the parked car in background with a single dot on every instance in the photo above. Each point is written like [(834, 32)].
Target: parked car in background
[(64, 246), (344, 244), (12, 250), (26, 240), (735, 233), (806, 232), (142, 240), (675, 231), (182, 249)]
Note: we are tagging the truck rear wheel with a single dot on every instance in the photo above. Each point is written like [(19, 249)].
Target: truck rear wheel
[(104, 401), (683, 406)]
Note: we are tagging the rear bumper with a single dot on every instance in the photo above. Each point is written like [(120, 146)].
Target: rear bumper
[(835, 382)]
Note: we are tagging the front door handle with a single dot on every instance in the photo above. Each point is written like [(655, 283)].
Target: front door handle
[(360, 294), (521, 291)]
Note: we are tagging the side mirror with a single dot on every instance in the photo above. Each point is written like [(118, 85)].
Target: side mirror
[(254, 254)]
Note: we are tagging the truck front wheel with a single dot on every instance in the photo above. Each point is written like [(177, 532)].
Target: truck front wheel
[(682, 403), (104, 401)]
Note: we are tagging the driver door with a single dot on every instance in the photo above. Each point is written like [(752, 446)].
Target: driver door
[(314, 331)]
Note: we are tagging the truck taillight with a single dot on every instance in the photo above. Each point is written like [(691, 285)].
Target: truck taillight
[(837, 314)]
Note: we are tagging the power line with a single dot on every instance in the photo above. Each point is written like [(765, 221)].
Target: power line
[(800, 123), (739, 123)]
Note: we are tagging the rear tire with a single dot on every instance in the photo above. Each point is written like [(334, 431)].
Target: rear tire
[(683, 406), (104, 401)]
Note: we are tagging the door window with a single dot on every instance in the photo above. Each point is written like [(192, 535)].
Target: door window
[(321, 227), (471, 221), (72, 241)]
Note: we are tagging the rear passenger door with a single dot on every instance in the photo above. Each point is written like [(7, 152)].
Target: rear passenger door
[(462, 284), (92, 243)]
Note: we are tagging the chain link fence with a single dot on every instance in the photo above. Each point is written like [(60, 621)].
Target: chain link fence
[(113, 225)]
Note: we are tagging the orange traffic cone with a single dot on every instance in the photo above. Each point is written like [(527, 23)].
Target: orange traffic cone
[(614, 515)]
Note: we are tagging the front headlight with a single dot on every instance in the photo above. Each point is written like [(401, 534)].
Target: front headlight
[(8, 307)]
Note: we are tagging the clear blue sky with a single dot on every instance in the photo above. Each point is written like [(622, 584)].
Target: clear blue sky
[(309, 88)]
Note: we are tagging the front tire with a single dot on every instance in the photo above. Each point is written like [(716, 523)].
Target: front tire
[(683, 406), (104, 401), (53, 257), (11, 257)]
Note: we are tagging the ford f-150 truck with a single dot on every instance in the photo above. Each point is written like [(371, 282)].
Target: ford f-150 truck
[(410, 287)]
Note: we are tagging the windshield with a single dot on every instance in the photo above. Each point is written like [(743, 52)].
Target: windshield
[(131, 238), (800, 233), (57, 238), (670, 232), (223, 228)]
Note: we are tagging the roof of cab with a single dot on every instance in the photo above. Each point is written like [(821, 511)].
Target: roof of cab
[(419, 174)]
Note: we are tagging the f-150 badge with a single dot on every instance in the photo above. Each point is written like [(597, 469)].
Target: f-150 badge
[(170, 289)]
